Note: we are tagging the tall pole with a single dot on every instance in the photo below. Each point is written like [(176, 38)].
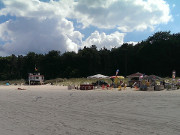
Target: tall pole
[(173, 79)]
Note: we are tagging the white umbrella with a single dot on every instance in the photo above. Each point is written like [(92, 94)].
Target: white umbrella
[(98, 76)]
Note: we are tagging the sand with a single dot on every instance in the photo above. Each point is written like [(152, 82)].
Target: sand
[(54, 110)]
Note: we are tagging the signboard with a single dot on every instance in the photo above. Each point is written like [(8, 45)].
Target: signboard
[(173, 74)]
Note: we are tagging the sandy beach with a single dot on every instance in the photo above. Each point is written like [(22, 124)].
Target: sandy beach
[(54, 110)]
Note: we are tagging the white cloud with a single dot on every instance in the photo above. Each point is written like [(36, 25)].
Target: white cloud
[(39, 27), (39, 36), (102, 40), (127, 15), (43, 26), (36, 8)]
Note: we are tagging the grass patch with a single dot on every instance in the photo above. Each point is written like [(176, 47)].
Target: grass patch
[(13, 82), (75, 81)]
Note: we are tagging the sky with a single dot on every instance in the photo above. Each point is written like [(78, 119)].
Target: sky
[(68, 25)]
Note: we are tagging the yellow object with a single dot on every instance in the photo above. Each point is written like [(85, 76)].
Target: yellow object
[(148, 84), (120, 77), (119, 88), (157, 83), (116, 80), (124, 86)]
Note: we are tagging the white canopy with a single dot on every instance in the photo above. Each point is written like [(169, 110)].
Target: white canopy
[(98, 76)]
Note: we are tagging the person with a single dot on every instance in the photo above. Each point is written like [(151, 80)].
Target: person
[(132, 86), (107, 86), (7, 84), (125, 85), (163, 83), (121, 82), (103, 86), (119, 87)]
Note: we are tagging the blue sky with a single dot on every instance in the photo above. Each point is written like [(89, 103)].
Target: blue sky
[(67, 25)]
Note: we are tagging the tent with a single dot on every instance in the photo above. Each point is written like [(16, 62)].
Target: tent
[(154, 77), (135, 75), (134, 78), (98, 76)]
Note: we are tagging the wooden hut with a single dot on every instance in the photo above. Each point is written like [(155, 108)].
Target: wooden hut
[(134, 78)]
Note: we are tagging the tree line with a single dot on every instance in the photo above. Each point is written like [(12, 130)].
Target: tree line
[(159, 54)]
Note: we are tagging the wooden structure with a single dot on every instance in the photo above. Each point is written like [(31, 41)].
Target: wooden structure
[(35, 78), (134, 78)]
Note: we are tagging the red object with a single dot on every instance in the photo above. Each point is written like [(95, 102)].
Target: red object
[(103, 86), (113, 76), (86, 87)]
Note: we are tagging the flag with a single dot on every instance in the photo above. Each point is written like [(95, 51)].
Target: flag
[(36, 68), (117, 71)]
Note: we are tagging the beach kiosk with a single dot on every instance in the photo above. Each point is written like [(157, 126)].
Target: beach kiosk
[(134, 79), (35, 78)]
